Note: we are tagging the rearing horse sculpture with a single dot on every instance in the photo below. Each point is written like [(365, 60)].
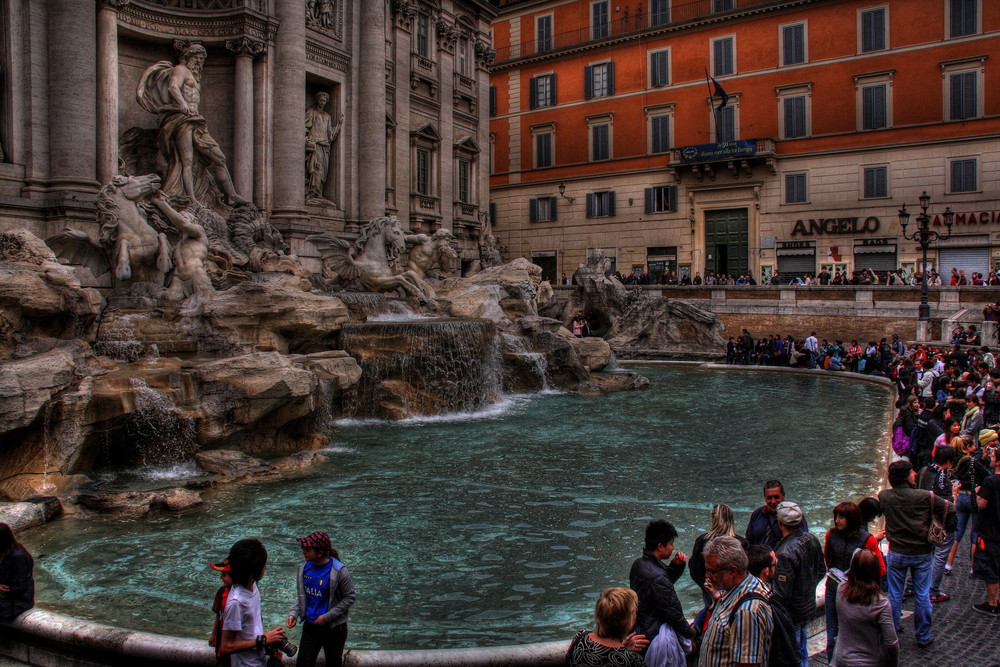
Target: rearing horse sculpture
[(128, 244), (372, 260)]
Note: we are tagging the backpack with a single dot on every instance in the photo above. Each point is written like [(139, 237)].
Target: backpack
[(784, 651), (900, 440)]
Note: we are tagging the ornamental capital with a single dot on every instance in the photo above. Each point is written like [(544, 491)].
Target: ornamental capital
[(245, 46)]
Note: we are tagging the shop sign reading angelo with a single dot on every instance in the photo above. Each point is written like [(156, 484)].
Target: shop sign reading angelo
[(823, 226)]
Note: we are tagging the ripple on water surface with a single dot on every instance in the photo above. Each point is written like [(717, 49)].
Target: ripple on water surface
[(493, 528)]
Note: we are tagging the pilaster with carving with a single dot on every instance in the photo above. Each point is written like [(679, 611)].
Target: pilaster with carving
[(404, 11), (447, 35), (485, 54)]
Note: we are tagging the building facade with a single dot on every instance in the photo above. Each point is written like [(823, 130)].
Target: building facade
[(404, 85), (746, 136)]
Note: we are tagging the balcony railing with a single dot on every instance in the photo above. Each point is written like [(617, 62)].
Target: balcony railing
[(625, 24)]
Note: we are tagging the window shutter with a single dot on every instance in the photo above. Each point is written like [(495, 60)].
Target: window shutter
[(554, 98), (533, 93), (590, 204), (611, 78), (719, 56), (649, 199), (611, 203), (672, 193), (660, 69), (532, 210), (788, 55), (493, 100), (553, 209), (588, 82), (866, 32)]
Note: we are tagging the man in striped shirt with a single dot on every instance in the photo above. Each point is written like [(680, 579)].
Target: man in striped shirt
[(739, 632)]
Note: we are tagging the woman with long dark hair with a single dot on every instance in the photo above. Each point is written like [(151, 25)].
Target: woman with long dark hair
[(867, 635), (847, 535), (17, 582)]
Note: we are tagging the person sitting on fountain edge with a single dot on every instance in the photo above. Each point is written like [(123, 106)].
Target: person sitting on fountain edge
[(243, 637), (17, 582)]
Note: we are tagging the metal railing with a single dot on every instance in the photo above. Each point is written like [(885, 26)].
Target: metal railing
[(628, 24)]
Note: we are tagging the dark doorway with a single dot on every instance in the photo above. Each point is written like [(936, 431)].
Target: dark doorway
[(726, 242)]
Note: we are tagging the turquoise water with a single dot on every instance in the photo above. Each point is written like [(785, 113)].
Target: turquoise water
[(488, 530)]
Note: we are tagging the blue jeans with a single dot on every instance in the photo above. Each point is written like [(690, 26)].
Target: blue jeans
[(800, 631), (832, 623), (920, 566), (963, 507), (940, 559)]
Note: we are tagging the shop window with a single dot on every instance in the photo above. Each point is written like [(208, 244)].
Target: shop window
[(723, 56), (963, 176), (659, 68), (876, 182), (963, 17), (542, 209), (873, 26), (599, 80), (796, 190), (793, 44), (542, 91), (600, 204), (661, 199)]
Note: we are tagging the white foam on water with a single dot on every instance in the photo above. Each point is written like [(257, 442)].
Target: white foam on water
[(505, 406), (184, 470)]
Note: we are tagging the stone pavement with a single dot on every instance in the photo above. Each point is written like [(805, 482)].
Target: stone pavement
[(961, 635)]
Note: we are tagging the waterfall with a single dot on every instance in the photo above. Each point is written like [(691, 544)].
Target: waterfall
[(117, 339), (156, 432), (536, 360), (423, 367)]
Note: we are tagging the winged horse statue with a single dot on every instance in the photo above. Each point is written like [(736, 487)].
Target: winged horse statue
[(371, 261)]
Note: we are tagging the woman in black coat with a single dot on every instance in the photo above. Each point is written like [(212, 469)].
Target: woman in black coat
[(17, 583)]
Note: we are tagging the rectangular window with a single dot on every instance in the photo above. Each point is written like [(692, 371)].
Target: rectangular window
[(600, 204), (543, 91), (722, 56), (793, 44), (660, 129), (725, 124), (873, 30), (423, 172), (423, 35), (660, 199), (543, 33), (599, 80), (493, 221), (464, 169), (600, 142), (873, 104), (876, 182), (493, 100), (963, 176), (543, 150), (795, 189), (542, 209), (723, 5), (600, 20), (659, 12), (659, 68), (963, 17), (963, 95), (795, 116)]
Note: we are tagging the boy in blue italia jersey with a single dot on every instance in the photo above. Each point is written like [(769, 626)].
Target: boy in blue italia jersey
[(325, 595)]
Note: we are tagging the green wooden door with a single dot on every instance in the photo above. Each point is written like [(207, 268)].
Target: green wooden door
[(726, 242)]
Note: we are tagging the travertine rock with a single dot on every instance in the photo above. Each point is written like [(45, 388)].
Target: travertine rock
[(594, 353), (232, 464)]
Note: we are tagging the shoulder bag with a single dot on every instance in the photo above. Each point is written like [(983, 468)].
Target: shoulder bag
[(936, 534)]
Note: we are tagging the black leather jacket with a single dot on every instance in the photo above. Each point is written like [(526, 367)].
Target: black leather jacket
[(653, 582), (800, 568)]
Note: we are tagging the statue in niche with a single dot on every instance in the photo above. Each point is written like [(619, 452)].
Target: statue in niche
[(190, 251), (320, 13), (428, 251), (193, 158), (321, 133)]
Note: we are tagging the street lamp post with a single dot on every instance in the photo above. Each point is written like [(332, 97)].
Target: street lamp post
[(925, 236)]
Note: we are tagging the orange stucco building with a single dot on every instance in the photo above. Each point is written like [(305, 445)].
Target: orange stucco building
[(828, 116)]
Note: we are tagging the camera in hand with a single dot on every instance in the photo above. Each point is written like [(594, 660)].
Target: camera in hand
[(285, 646)]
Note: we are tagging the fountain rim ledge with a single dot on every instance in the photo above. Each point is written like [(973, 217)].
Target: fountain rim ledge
[(81, 635)]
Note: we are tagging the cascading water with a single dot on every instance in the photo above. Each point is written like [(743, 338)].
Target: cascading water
[(117, 339), (422, 367), (156, 432), (536, 360)]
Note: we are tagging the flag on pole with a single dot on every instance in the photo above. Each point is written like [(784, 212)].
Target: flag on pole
[(719, 92)]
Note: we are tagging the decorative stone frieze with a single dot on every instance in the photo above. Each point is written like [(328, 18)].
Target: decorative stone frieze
[(245, 46), (404, 11), (322, 55), (326, 17), (166, 19)]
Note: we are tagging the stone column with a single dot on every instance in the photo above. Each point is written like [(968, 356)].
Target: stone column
[(72, 96), (107, 89), (246, 49), (288, 164), (371, 124)]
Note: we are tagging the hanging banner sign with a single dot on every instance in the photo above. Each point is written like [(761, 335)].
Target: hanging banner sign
[(723, 150)]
